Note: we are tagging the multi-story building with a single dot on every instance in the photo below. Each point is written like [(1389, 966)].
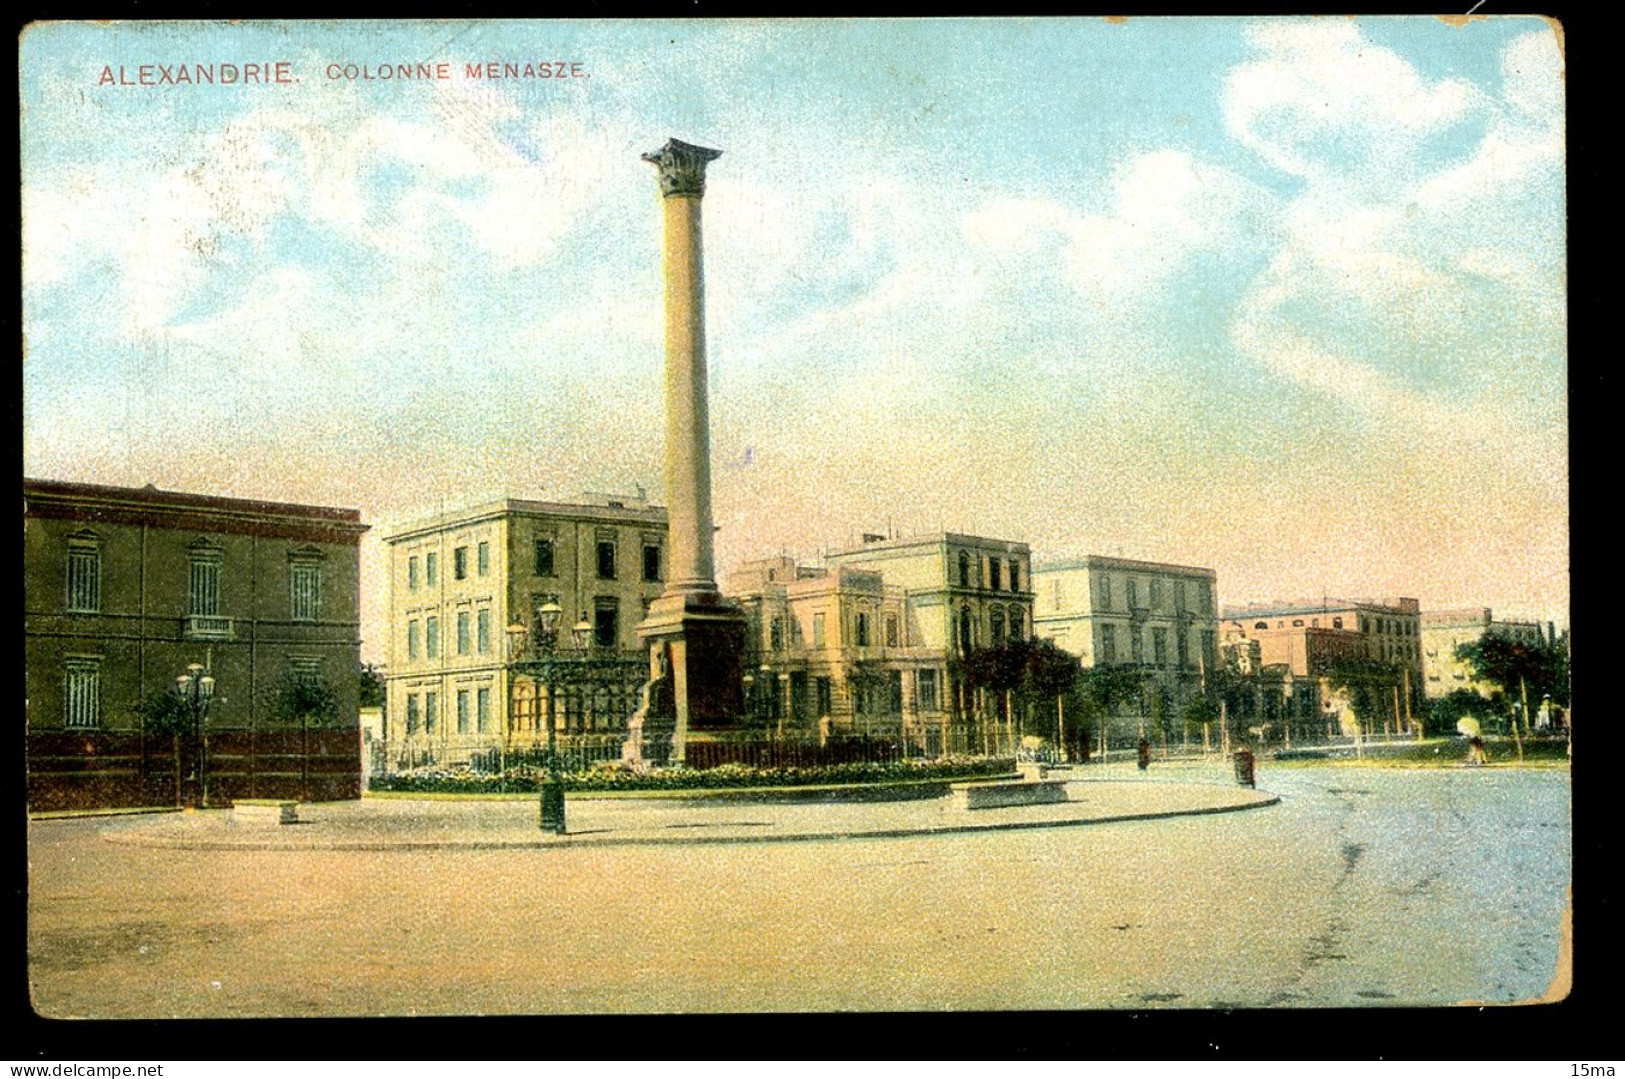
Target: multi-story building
[(1443, 631), (1307, 638), (458, 581), (954, 593), (1155, 616), (125, 589), (836, 652)]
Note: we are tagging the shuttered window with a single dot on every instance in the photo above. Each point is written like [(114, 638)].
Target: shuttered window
[(82, 693)]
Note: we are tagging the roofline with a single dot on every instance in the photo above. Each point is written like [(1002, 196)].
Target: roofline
[(1326, 606), (1116, 562), (931, 539), (66, 490), (522, 507)]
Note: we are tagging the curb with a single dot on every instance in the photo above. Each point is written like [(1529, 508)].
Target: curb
[(579, 841)]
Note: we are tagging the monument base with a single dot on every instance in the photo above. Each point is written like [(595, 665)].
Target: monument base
[(696, 677)]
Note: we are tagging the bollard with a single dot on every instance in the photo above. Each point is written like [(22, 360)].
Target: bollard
[(1244, 768)]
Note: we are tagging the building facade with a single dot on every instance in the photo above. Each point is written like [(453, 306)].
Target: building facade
[(835, 653), (126, 588), (1443, 631), (459, 582), (1305, 640), (1156, 617), (950, 593)]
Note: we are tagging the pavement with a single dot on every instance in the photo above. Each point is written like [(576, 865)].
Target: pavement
[(400, 823)]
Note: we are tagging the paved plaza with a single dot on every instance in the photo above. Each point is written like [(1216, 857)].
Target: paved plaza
[(425, 824), (1361, 887)]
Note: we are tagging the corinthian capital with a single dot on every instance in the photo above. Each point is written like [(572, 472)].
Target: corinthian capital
[(682, 167)]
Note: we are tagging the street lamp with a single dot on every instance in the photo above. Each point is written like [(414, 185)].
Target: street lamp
[(196, 688)]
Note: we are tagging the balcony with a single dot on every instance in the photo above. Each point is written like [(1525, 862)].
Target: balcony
[(207, 627)]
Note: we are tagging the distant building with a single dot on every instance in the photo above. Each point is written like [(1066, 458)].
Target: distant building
[(835, 652), (1443, 631), (125, 588), (1159, 618), (458, 580), (951, 593), (1305, 639)]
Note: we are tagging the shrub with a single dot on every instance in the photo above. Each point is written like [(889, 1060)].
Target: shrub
[(526, 779)]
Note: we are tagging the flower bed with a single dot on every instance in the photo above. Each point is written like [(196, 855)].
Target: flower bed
[(526, 779)]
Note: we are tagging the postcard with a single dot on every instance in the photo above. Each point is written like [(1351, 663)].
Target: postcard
[(564, 517)]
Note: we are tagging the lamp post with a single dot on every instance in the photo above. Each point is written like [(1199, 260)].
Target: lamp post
[(545, 647), (196, 687)]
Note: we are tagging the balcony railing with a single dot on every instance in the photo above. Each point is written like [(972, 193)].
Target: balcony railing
[(207, 627)]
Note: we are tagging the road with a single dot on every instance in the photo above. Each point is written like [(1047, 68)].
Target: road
[(1363, 887)]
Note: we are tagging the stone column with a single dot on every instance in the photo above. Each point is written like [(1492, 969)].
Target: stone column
[(696, 639)]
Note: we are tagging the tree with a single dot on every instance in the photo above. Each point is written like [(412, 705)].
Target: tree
[(1369, 684), (305, 700), (1444, 713), (371, 687), (1519, 668), (169, 712)]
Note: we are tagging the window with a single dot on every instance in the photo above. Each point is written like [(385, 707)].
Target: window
[(925, 688), (431, 711), (544, 556), (1183, 647), (431, 637), (1337, 623), (775, 634), (1055, 594), (84, 575), (606, 560), (1105, 592), (482, 631), (482, 709), (414, 713), (891, 631), (894, 692), (1017, 623), (484, 558), (1156, 595), (462, 633), (606, 618), (412, 573), (651, 562), (995, 626), (994, 576), (462, 711), (306, 670), (823, 695), (412, 639), (1209, 648), (82, 693), (305, 587), (1297, 622), (1133, 594), (1015, 575), (964, 570), (1179, 596), (459, 563), (967, 635), (1261, 625), (1108, 644), (1136, 644), (205, 579), (863, 630), (818, 630), (431, 568)]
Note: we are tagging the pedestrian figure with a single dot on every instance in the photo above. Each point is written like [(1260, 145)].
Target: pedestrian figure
[(1475, 751), (1145, 754)]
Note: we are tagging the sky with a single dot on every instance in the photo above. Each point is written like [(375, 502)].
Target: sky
[(1280, 297)]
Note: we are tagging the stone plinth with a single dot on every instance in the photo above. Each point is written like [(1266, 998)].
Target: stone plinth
[(1001, 795)]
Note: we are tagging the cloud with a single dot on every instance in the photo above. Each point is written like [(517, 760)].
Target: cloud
[(1321, 101)]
